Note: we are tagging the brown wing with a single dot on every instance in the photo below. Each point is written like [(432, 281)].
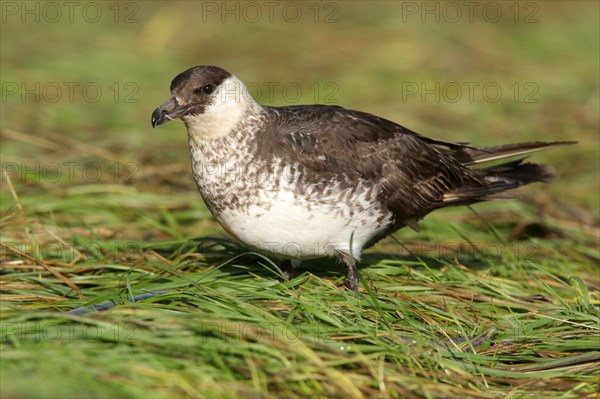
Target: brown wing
[(413, 172)]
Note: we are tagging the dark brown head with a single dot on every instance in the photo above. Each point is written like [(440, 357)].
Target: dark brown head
[(192, 92)]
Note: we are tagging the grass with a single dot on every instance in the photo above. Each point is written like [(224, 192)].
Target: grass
[(501, 300)]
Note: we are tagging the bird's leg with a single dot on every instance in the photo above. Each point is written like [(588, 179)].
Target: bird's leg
[(351, 280), (287, 267)]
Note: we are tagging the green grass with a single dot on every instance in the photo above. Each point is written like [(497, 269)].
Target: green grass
[(498, 301)]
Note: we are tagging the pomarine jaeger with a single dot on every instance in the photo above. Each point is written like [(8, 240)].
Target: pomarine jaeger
[(309, 181)]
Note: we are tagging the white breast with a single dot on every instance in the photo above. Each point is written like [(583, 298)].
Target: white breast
[(304, 225)]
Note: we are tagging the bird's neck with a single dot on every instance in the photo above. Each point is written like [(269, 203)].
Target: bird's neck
[(225, 133), (233, 105)]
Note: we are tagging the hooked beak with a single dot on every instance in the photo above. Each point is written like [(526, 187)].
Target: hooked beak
[(168, 111)]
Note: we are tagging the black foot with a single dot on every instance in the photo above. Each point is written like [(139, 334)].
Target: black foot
[(287, 267), (351, 284), (351, 280)]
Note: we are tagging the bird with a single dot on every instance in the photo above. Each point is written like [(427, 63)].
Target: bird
[(310, 181)]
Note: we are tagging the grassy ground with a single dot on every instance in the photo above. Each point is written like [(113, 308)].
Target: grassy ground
[(501, 300)]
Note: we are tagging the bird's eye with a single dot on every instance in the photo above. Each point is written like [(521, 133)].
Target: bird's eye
[(205, 89)]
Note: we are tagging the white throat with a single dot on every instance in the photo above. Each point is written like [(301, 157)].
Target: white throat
[(231, 102)]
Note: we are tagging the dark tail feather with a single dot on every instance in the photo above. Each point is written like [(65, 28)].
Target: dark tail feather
[(489, 154), (469, 155), (495, 180)]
